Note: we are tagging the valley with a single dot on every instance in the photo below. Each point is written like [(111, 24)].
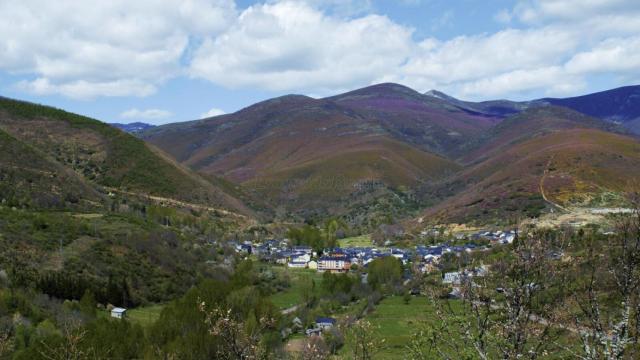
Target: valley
[(380, 221)]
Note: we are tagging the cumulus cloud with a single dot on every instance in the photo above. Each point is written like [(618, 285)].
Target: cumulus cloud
[(533, 11), (86, 49), (81, 89), (213, 112), (555, 52), (611, 55), (291, 45), (103, 48), (149, 114)]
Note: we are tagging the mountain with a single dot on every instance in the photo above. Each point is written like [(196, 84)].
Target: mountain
[(621, 105), (497, 108), (306, 154), (380, 144), (541, 159), (134, 127), (90, 152)]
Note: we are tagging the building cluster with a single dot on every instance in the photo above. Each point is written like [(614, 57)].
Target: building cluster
[(334, 260), (496, 237), (423, 258)]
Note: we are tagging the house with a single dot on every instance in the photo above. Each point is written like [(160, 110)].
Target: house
[(452, 278), (303, 249), (297, 264), (118, 312), (301, 257), (334, 264), (243, 248), (325, 323), (314, 331)]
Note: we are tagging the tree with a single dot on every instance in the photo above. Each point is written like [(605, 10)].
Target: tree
[(611, 330), (331, 228), (364, 344), (88, 303), (237, 341), (384, 272), (516, 323)]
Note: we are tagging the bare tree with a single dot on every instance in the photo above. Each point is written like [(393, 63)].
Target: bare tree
[(504, 313), (238, 341), (610, 329), (364, 344), (70, 349), (315, 348)]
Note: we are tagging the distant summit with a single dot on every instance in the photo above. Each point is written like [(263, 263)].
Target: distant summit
[(621, 105), (133, 128)]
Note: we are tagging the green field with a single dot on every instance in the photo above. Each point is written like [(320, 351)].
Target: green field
[(395, 322), (145, 315), (356, 241), (293, 295)]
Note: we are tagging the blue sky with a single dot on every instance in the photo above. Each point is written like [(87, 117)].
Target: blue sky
[(163, 61)]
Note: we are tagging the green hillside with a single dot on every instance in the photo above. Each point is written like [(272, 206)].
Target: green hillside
[(107, 156)]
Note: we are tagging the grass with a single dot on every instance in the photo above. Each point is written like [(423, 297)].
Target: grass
[(356, 241), (145, 315), (293, 295), (395, 322)]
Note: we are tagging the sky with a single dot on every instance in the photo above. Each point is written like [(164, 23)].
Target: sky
[(162, 61)]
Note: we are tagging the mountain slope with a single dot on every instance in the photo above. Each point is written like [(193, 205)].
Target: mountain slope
[(28, 178), (531, 123), (430, 123), (106, 156), (301, 152), (620, 105), (539, 159), (616, 105)]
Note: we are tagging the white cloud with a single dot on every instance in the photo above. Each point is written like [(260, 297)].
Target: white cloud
[(85, 49), (213, 112), (560, 47), (81, 89), (533, 11), (291, 45), (611, 55), (149, 114)]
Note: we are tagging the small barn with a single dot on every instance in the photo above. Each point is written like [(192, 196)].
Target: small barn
[(118, 312)]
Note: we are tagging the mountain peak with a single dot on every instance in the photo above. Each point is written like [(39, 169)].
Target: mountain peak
[(383, 90), (438, 94)]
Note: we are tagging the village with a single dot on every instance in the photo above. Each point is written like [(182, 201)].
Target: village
[(421, 259), (424, 258)]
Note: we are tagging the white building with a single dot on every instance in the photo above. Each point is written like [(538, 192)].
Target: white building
[(118, 312), (452, 278)]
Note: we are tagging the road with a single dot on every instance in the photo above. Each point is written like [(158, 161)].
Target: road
[(544, 195), (175, 202)]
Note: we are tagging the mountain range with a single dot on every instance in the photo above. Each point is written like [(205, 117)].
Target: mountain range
[(370, 156), (387, 148)]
